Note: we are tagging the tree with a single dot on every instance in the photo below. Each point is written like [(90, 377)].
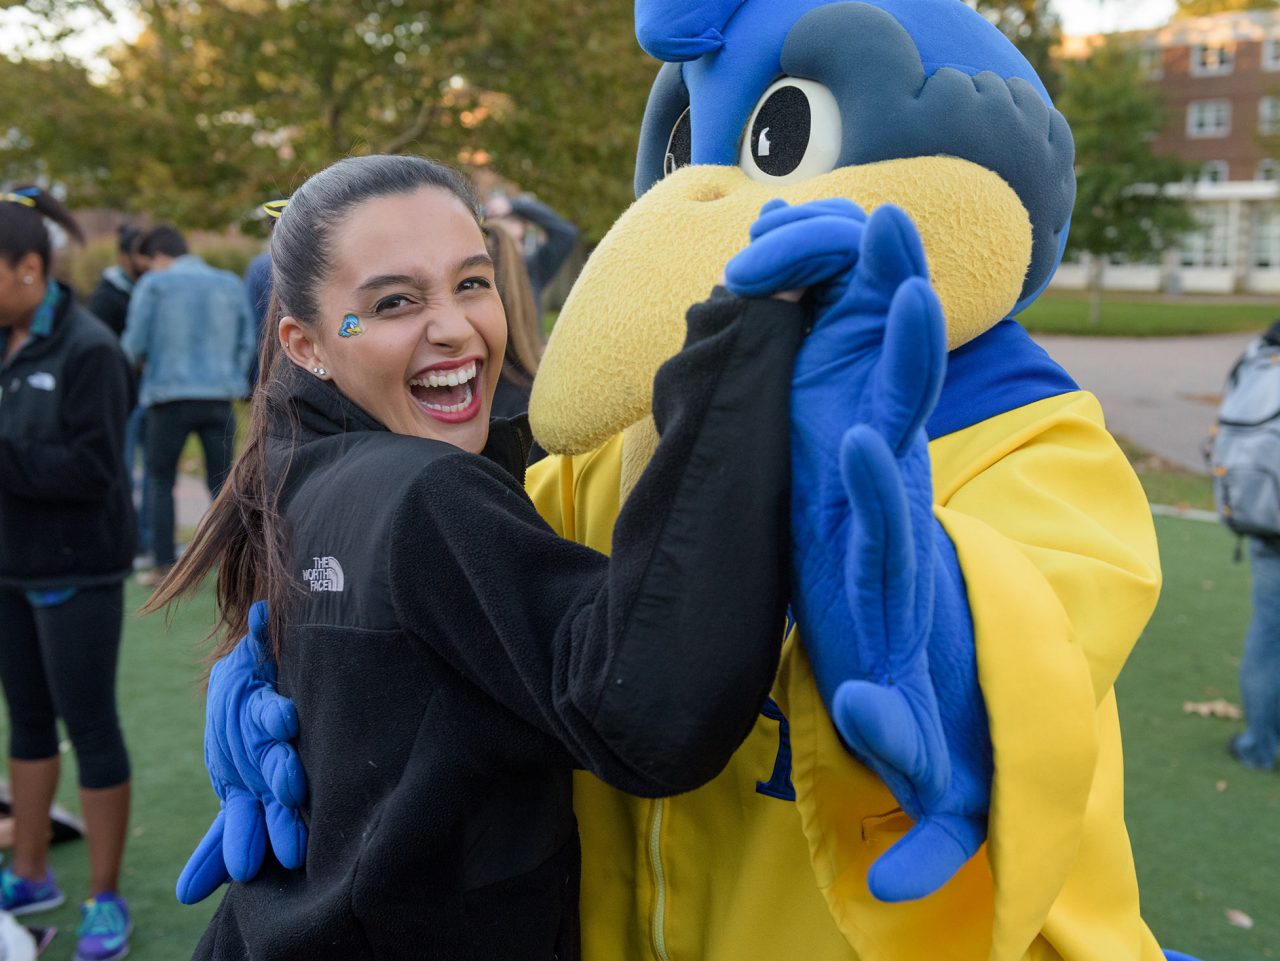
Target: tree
[(1034, 29), (1205, 8), (1122, 204), (221, 104)]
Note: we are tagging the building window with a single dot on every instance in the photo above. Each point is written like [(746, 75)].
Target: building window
[(1210, 246), (1208, 118), (1211, 60), (1268, 170), (1214, 172), (1266, 238), (1269, 116), (1151, 61), (1271, 55)]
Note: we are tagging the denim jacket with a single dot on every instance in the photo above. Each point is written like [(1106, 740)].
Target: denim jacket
[(192, 329)]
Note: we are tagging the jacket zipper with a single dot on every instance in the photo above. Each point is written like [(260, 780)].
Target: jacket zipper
[(660, 880)]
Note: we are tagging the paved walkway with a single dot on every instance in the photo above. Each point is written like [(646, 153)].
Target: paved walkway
[(190, 500), (1161, 393)]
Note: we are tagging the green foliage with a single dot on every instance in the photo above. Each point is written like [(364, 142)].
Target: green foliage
[(1035, 30), (1121, 206), (1204, 8), (218, 106)]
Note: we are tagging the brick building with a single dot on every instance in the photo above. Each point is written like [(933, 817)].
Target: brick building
[(1220, 80)]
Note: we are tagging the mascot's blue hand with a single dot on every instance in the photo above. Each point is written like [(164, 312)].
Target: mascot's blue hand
[(880, 599), (254, 770), (809, 246)]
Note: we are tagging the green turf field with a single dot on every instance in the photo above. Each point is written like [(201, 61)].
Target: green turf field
[(1204, 828), (1206, 832)]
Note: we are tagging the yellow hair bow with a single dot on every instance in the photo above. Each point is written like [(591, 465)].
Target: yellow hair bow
[(274, 208)]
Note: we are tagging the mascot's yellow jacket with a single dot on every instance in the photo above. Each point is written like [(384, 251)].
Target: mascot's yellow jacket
[(923, 104), (1059, 556)]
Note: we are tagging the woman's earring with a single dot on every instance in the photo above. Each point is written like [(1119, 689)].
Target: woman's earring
[(28, 280), (319, 371)]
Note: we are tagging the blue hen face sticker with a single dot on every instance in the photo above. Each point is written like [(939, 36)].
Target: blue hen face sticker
[(350, 326)]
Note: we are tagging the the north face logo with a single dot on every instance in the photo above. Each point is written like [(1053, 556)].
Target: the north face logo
[(326, 575)]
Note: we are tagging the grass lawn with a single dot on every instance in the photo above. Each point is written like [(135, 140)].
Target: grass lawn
[(1203, 829), (1134, 316)]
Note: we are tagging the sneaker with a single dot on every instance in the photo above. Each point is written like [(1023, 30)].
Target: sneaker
[(20, 896), (104, 929), (1237, 748)]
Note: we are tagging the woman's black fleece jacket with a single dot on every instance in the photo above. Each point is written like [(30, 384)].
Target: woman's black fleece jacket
[(66, 507), (452, 658)]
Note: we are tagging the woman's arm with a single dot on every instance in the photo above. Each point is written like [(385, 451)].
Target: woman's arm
[(651, 667)]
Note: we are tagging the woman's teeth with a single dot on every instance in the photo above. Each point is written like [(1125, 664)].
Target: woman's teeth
[(446, 378)]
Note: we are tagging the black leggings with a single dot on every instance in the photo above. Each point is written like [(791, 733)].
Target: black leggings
[(61, 662)]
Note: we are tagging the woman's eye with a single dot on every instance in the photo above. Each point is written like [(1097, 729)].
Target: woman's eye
[(679, 145), (476, 283), (793, 134), (394, 302)]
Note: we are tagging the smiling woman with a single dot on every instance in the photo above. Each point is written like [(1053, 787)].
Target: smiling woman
[(451, 658)]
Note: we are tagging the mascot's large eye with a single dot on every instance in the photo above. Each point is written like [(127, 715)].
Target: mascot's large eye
[(679, 146), (794, 133)]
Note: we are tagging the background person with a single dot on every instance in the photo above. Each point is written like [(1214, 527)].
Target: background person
[(192, 333), (1257, 744), (257, 287), (66, 546), (109, 301), (543, 256)]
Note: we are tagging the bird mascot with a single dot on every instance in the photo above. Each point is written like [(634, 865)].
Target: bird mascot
[(937, 773)]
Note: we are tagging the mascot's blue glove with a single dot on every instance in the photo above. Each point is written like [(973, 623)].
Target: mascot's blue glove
[(880, 598), (255, 771)]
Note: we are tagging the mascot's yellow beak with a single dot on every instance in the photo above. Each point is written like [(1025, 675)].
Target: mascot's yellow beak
[(625, 315)]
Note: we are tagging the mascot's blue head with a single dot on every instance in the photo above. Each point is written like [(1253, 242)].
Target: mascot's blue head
[(853, 83)]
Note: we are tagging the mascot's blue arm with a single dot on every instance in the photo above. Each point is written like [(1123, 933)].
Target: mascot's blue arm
[(879, 595)]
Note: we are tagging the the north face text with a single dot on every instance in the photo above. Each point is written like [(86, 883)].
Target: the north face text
[(326, 575)]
